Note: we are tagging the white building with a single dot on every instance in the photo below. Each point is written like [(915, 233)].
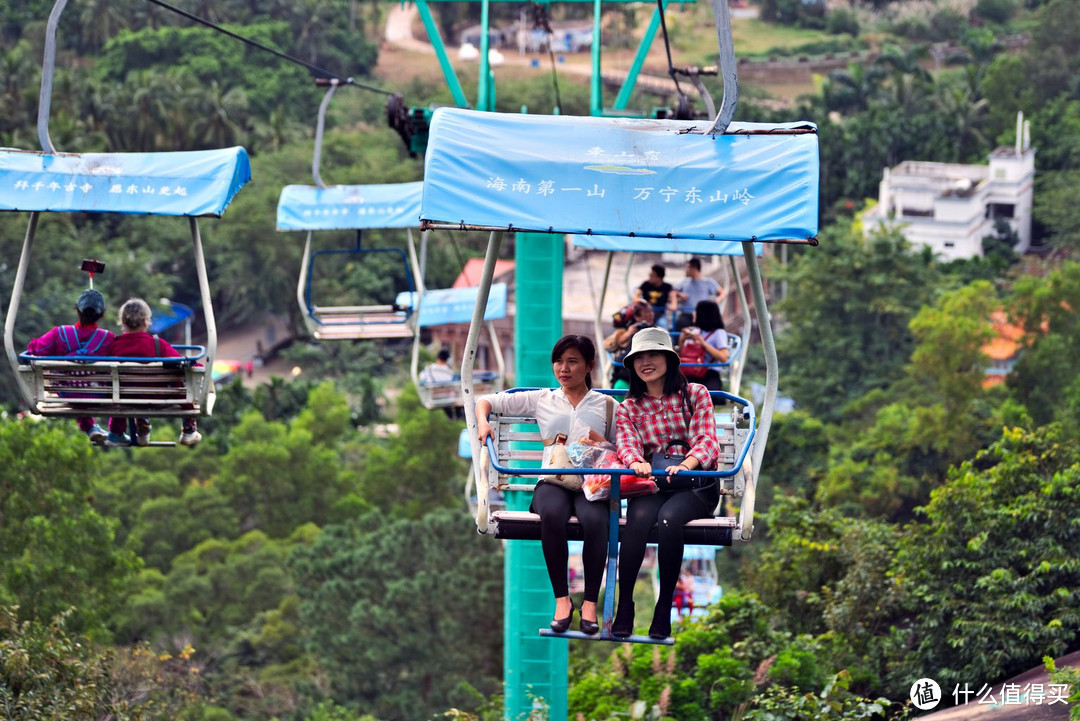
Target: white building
[(951, 207)]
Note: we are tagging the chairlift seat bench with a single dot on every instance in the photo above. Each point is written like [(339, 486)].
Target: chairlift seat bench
[(117, 386), (361, 322), (517, 439)]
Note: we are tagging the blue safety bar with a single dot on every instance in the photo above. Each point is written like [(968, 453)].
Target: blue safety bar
[(406, 310), (748, 414), (477, 376), (185, 359)]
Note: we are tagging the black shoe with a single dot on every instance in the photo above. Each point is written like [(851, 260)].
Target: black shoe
[(624, 621), (560, 625), (589, 628), (660, 628)]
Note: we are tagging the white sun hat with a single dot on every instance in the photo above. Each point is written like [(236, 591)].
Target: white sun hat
[(651, 339)]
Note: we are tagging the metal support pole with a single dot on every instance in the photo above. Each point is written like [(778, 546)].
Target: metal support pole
[(13, 309), (206, 397), (627, 88), (435, 37), (320, 125), (484, 99), (772, 377), (303, 293), (468, 360), (598, 328), (414, 365), (596, 86), (729, 70), (747, 326), (48, 66)]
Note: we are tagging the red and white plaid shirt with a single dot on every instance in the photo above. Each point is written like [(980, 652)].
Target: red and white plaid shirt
[(644, 425)]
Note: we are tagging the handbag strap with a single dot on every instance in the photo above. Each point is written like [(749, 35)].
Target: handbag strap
[(610, 402)]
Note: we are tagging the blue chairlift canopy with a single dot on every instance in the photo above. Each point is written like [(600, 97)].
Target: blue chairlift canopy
[(349, 207), (165, 317), (661, 245), (190, 183), (621, 176), (455, 305)]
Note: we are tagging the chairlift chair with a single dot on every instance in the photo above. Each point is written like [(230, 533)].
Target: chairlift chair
[(189, 184), (732, 368), (451, 306), (355, 207), (320, 207), (752, 183)]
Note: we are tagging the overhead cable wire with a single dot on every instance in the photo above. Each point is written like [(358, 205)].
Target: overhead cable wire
[(667, 45), (285, 56), (540, 19)]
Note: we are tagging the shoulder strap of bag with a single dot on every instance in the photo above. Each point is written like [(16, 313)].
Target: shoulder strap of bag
[(94, 342), (610, 402), (157, 346), (687, 410), (70, 336)]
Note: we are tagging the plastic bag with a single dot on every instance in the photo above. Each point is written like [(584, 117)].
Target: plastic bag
[(560, 459)]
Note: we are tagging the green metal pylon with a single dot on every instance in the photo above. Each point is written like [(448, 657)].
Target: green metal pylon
[(533, 667)]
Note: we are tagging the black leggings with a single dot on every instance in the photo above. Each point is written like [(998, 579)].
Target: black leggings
[(670, 510), (555, 505)]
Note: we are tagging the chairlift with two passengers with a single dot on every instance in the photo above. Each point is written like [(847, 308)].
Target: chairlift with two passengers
[(452, 306), (321, 207), (732, 368), (655, 179), (600, 176), (189, 184)]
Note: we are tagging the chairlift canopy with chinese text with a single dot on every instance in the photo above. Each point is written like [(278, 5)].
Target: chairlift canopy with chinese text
[(188, 183), (622, 177), (349, 207)]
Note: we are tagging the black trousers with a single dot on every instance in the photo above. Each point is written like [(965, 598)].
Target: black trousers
[(669, 511), (555, 505)]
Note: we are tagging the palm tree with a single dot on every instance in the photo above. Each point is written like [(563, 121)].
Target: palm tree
[(909, 82), (100, 20), (965, 111), (219, 117), (854, 89)]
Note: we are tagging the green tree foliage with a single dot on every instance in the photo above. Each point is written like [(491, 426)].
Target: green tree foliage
[(781, 703), (801, 561), (851, 300), (798, 456), (58, 550), (991, 576), (905, 438), (47, 673), (1045, 377), (733, 663), (216, 589), (418, 470), (279, 476), (390, 608)]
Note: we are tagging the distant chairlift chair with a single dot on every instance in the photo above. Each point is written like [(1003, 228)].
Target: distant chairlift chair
[(350, 207), (451, 306), (730, 370)]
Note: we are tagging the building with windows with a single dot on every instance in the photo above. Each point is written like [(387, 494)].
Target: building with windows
[(951, 207)]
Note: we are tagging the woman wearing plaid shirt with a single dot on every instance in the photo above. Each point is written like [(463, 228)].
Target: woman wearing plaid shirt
[(661, 407)]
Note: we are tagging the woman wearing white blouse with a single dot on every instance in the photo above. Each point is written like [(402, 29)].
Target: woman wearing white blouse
[(572, 361)]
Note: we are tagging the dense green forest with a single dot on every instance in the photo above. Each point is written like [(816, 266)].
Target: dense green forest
[(307, 564)]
